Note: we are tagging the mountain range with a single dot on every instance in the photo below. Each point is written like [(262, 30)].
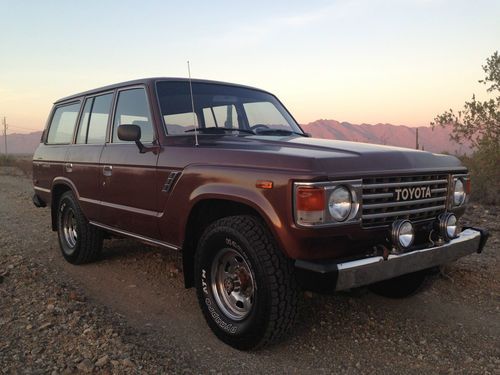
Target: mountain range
[(429, 139), (434, 140)]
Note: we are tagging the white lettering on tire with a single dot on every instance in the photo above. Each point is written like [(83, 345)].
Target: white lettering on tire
[(225, 326)]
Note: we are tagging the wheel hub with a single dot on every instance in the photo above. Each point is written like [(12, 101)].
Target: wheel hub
[(228, 284), (232, 284)]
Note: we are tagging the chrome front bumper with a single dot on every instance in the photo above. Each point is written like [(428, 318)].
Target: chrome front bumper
[(370, 270)]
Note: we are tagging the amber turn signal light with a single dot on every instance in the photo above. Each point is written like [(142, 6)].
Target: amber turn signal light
[(310, 198), (263, 184)]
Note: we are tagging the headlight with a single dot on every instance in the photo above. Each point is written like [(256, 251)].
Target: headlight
[(327, 203), (458, 192), (340, 203)]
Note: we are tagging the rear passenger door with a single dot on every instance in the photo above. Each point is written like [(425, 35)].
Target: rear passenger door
[(82, 163), (129, 184)]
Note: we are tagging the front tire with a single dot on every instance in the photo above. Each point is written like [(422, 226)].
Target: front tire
[(80, 242), (245, 285)]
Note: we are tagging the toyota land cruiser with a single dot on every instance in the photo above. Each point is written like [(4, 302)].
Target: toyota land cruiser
[(224, 174)]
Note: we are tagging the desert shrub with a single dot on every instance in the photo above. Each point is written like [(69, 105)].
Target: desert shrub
[(484, 168), (479, 123)]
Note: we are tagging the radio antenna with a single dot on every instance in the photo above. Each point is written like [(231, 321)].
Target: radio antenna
[(195, 122)]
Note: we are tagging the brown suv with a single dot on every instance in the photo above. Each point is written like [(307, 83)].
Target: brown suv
[(224, 174)]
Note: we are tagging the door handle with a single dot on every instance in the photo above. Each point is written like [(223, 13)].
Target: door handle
[(107, 170), (68, 167)]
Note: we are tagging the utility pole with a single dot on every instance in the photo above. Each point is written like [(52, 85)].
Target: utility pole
[(416, 140), (5, 127)]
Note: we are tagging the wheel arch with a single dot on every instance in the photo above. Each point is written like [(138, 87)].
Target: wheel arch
[(59, 187), (203, 213)]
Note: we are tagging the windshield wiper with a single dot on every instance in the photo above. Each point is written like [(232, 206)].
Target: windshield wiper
[(279, 132), (214, 130)]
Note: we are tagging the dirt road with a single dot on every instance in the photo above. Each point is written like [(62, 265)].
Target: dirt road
[(135, 316)]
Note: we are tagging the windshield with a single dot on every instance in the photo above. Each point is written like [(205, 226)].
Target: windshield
[(221, 109)]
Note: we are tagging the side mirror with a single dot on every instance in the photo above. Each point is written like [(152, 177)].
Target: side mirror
[(130, 133)]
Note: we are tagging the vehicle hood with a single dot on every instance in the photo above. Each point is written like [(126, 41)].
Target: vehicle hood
[(322, 156)]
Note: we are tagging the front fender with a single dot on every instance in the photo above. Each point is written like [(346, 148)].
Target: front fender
[(199, 183)]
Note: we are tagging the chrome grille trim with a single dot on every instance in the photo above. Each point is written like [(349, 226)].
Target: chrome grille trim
[(406, 184), (404, 203), (407, 212), (379, 205)]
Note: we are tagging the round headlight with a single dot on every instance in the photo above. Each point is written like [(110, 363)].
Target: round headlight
[(459, 192), (402, 234), (340, 203), (448, 226)]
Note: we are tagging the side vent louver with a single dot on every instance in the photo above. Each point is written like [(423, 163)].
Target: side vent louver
[(170, 181)]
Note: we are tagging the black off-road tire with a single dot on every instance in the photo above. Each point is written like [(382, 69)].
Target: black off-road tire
[(86, 245), (274, 306), (400, 287)]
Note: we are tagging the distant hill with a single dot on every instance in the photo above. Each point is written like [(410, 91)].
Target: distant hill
[(434, 140), (20, 143), (437, 140)]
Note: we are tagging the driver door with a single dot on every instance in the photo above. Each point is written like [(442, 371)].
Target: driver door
[(129, 183)]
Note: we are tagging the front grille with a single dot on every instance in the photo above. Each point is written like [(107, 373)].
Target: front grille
[(381, 208)]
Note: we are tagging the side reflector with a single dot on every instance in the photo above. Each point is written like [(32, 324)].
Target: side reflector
[(262, 184), (467, 186)]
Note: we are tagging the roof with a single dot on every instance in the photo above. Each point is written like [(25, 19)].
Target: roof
[(148, 81)]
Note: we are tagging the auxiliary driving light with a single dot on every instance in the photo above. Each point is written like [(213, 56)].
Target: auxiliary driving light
[(448, 226), (402, 234)]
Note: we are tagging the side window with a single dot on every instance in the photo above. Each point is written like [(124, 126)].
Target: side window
[(94, 120), (99, 119), (132, 109), (84, 122), (63, 124)]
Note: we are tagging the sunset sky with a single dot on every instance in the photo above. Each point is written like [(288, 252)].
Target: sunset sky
[(370, 61)]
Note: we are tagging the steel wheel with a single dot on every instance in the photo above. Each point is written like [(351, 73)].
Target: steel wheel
[(232, 284), (69, 226), (80, 242)]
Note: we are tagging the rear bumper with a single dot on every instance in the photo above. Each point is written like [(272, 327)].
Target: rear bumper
[(370, 270)]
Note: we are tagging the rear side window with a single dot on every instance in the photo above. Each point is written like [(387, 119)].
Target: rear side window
[(94, 120), (63, 124), (133, 109)]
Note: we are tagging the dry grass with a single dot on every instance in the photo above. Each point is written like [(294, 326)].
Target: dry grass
[(23, 163)]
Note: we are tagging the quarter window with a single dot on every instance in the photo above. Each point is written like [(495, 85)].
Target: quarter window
[(63, 124), (133, 109)]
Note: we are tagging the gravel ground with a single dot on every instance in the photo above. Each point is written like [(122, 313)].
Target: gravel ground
[(129, 312)]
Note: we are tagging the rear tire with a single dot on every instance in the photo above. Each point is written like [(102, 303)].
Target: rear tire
[(80, 242), (400, 287), (245, 285)]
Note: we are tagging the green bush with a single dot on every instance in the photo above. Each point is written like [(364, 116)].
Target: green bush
[(484, 168)]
